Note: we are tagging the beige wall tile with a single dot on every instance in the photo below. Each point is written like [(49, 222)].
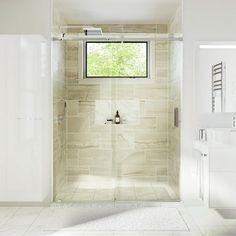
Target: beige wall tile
[(72, 108), (140, 28), (77, 124), (155, 107), (129, 28), (151, 93)]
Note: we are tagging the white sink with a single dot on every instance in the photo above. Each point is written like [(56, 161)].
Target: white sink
[(221, 135), (217, 138)]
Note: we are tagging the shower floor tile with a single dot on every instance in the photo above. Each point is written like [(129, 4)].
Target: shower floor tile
[(143, 194), (132, 192), (125, 194), (104, 195)]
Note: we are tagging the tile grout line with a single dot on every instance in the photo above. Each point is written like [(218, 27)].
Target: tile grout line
[(11, 216), (194, 222), (27, 230)]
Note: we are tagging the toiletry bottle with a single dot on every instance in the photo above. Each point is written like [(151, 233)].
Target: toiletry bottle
[(117, 118)]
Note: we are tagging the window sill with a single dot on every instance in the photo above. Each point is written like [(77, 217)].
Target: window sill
[(117, 80)]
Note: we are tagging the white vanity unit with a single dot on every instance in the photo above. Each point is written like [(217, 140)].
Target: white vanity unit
[(216, 168)]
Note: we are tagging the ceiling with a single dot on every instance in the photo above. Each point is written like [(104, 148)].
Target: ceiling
[(116, 11)]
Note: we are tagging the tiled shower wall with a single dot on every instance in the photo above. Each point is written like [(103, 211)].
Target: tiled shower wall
[(59, 115), (135, 150)]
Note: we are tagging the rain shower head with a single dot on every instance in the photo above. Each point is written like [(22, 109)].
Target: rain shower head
[(92, 31)]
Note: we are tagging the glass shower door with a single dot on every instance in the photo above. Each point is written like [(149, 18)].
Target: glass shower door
[(146, 144), (136, 160)]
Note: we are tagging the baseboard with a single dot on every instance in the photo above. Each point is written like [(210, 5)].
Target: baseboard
[(45, 202)]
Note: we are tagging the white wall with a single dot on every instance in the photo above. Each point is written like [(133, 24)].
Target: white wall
[(211, 20), (25, 17), (25, 140), (205, 59), (175, 25)]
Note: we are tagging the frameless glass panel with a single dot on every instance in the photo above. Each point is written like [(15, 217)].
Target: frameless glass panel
[(146, 150)]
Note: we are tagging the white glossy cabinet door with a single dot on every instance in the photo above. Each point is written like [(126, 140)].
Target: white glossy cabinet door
[(216, 175), (222, 160), (223, 189), (25, 114)]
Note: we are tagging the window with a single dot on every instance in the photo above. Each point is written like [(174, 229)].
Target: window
[(117, 59)]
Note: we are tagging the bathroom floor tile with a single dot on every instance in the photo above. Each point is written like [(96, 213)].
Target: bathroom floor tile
[(6, 213), (156, 233), (66, 219), (205, 217), (13, 232), (24, 216), (128, 233), (41, 233), (195, 233), (216, 231)]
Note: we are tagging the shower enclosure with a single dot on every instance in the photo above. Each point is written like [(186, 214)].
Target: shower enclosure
[(136, 160)]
